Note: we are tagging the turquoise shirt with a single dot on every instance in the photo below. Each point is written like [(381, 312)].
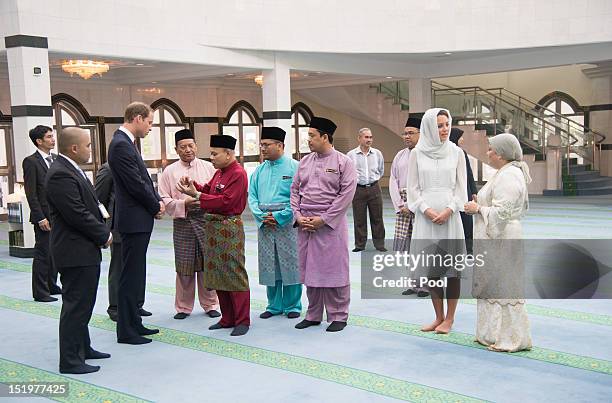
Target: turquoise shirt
[(271, 184)]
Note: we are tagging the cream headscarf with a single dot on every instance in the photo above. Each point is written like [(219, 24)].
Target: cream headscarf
[(429, 143), (507, 146)]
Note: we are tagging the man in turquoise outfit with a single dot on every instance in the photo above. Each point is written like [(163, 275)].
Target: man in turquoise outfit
[(269, 193)]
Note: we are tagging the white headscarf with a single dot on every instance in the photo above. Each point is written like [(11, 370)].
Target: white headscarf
[(429, 143), (507, 146)]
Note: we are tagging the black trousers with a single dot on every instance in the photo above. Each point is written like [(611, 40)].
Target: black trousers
[(468, 231), (131, 283), (44, 274), (368, 199), (114, 274), (78, 300)]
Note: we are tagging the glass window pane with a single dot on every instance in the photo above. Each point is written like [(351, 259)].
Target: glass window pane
[(3, 148), (170, 144), (168, 118), (301, 120), (246, 119), (151, 145), (156, 116), (250, 167), (4, 192), (233, 131), (304, 140), (251, 140), (234, 118), (566, 108), (67, 120)]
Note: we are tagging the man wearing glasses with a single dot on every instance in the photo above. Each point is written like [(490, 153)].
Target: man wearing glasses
[(397, 190), (269, 194)]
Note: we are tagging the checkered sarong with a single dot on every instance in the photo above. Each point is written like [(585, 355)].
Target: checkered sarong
[(188, 242), (403, 228)]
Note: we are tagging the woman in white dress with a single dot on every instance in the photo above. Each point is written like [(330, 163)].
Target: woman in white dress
[(502, 323), (436, 193)]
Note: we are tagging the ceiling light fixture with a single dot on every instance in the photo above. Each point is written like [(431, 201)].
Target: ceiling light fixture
[(259, 80), (85, 68)]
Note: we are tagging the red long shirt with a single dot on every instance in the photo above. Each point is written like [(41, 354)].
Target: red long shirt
[(227, 191)]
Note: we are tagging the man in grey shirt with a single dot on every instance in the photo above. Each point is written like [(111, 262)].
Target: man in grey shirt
[(370, 165)]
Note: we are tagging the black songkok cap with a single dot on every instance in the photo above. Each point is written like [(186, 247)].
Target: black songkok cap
[(273, 133), (413, 122), (323, 125), (222, 141), (183, 134)]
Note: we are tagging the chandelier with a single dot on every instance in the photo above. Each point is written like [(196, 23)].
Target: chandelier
[(259, 80), (85, 68)]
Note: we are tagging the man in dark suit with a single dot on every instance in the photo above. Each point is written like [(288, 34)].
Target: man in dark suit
[(78, 233), (136, 204), (35, 166), (105, 191)]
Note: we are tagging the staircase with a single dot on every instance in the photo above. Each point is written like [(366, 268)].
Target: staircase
[(537, 129), (580, 180)]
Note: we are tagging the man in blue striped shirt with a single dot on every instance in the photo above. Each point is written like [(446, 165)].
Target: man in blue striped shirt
[(370, 165)]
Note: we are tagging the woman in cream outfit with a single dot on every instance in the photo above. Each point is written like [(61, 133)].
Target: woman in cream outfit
[(502, 323), (436, 192)]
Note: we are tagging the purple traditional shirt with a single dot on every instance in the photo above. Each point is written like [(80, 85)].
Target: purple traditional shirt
[(324, 186)]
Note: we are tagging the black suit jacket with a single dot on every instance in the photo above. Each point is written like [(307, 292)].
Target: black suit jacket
[(78, 229), (34, 172), (105, 190), (136, 201)]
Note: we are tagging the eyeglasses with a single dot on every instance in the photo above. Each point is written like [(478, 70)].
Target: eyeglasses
[(265, 145)]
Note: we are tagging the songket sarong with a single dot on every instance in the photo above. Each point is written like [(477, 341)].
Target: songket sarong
[(278, 256), (224, 253)]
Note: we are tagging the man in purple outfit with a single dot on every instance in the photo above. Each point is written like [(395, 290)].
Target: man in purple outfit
[(321, 193)]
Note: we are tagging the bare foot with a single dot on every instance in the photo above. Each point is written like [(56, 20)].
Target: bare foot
[(444, 327), (432, 327)]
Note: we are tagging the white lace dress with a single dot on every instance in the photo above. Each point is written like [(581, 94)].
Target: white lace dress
[(502, 323)]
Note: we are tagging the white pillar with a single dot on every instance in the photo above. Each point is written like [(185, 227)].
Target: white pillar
[(277, 101), (419, 94), (30, 87)]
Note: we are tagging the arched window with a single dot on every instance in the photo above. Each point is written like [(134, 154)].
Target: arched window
[(562, 104), (158, 147), (300, 121), (69, 112), (242, 123)]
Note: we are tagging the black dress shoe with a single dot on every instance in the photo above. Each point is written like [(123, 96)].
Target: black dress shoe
[(181, 315), (56, 291), (144, 312), (147, 332), (358, 249), (45, 299), (112, 316), (213, 313), (218, 326), (409, 291), (383, 249), (266, 315), (80, 369), (134, 340), (306, 323), (240, 330), (293, 315), (422, 294), (96, 355), (336, 326)]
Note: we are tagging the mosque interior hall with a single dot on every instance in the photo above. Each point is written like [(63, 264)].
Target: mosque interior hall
[(539, 71)]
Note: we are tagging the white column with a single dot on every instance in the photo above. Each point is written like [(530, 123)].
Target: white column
[(277, 101), (30, 88), (419, 94)]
